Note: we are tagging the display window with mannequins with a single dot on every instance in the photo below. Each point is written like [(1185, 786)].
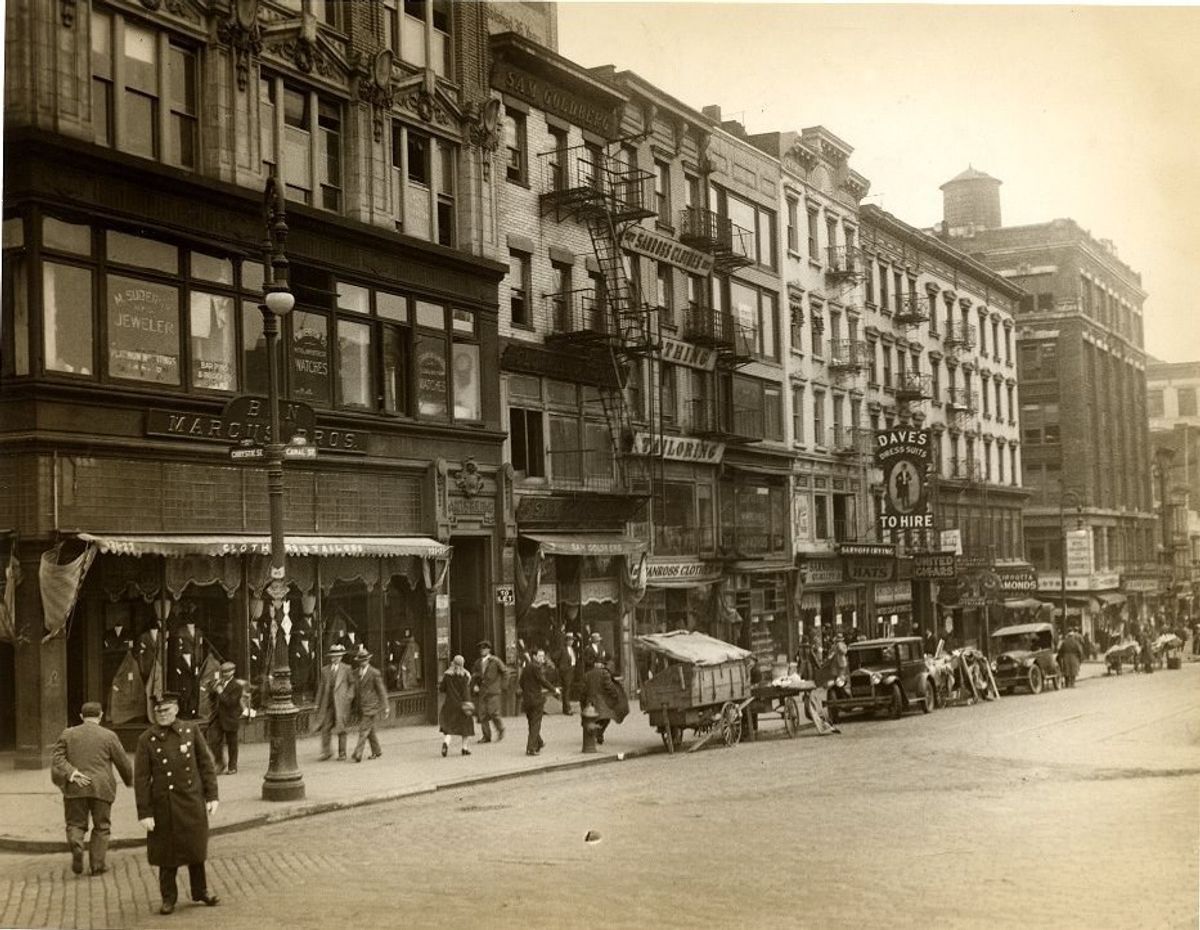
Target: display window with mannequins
[(403, 632)]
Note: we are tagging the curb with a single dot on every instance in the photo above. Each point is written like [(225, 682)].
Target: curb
[(46, 847)]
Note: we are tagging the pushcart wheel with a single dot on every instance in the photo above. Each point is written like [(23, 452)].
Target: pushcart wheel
[(791, 716), (667, 741), (731, 724)]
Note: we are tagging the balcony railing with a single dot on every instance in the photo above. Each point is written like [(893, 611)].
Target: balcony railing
[(580, 181), (844, 530), (913, 385), (966, 470), (738, 541), (959, 338), (576, 313), (849, 355), (913, 309), (683, 540), (843, 261), (728, 243), (961, 401), (706, 419), (582, 469)]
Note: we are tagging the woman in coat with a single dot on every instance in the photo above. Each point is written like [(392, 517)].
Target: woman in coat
[(453, 720)]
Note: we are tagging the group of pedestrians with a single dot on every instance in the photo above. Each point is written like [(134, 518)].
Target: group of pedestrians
[(349, 697)]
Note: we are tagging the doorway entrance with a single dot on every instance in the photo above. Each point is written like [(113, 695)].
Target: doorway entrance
[(470, 616)]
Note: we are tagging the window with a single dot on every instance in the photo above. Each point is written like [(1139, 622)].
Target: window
[(1186, 399), (662, 191), (424, 177), (793, 233), (757, 409), (996, 339), (983, 334), (560, 297), (814, 249), (670, 392), (870, 281), (213, 341), (756, 312), (987, 399), (818, 418), (425, 21), (1031, 423), (527, 452), (821, 512), (817, 329), (754, 227), (328, 11), (467, 381), (67, 329), (883, 287), (1012, 409), (306, 133), (772, 412), (665, 291), (419, 149), (935, 380), (949, 317), (1000, 464), (141, 93), (1154, 403), (516, 145), (1045, 301), (887, 366), (692, 195), (897, 295), (518, 288), (999, 401), (102, 78), (798, 414), (831, 234), (933, 323), (1050, 432)]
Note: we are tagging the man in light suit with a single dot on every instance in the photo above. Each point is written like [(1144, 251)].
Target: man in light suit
[(82, 766), (488, 685), (335, 696), (371, 697)]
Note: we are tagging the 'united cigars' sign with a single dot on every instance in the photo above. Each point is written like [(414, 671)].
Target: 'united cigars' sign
[(904, 456), (665, 249)]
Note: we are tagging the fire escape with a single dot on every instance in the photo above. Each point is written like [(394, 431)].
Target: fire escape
[(611, 329)]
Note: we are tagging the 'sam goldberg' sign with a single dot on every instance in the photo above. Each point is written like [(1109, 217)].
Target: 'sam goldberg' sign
[(904, 456)]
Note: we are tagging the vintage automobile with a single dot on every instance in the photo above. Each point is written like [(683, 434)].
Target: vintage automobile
[(1025, 658), (883, 674)]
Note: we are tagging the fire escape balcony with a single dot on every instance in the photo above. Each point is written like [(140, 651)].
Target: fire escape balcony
[(579, 182), (851, 441), (733, 341), (967, 471), (960, 338), (962, 403), (577, 317), (589, 470), (706, 419), (913, 310), (913, 386), (847, 356), (843, 262), (727, 242)]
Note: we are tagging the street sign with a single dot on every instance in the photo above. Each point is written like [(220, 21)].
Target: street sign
[(300, 452), (247, 450), (506, 594)]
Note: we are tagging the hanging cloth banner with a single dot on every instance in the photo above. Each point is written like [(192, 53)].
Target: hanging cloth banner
[(633, 581), (12, 578), (126, 701), (60, 586), (527, 580), (428, 566)]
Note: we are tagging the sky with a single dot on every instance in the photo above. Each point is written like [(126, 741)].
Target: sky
[(1091, 113)]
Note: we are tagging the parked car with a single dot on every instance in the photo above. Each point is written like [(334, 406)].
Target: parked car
[(1025, 658), (883, 674)]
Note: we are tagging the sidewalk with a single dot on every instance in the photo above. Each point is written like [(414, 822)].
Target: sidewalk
[(31, 816)]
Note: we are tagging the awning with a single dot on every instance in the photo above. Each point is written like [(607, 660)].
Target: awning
[(184, 545), (587, 543), (1110, 599)]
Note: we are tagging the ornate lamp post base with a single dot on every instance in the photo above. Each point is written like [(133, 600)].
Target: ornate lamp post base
[(283, 781)]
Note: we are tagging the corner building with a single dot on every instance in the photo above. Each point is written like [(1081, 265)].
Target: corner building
[(139, 138), (1082, 374)]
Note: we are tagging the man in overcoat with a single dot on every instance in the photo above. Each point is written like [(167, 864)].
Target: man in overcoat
[(175, 783), (371, 697), (82, 766), (488, 685), (567, 664), (602, 692), (226, 717), (534, 685), (335, 699), (594, 652)]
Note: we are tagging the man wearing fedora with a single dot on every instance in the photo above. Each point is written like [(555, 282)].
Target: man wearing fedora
[(335, 699), (594, 652), (488, 685), (82, 766), (228, 699), (175, 783), (371, 697)]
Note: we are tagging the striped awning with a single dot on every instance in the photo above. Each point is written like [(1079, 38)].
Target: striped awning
[(179, 546)]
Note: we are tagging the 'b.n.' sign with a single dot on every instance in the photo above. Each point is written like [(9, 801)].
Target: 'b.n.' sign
[(905, 455)]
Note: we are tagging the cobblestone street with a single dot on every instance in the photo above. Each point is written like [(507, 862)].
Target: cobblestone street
[(1070, 809)]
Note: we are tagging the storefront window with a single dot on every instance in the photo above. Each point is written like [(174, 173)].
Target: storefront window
[(466, 382), (395, 370), (211, 268), (431, 376), (310, 357), (66, 237), (142, 252), (143, 330), (354, 364), (254, 348), (403, 635), (213, 345)]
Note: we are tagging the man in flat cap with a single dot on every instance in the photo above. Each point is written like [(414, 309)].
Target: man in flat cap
[(225, 717), (82, 766), (335, 698), (488, 685), (175, 782), (371, 697)]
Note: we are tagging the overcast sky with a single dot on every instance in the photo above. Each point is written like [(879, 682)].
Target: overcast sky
[(1091, 113)]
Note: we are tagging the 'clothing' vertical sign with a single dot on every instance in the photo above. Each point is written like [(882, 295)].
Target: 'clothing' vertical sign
[(904, 456)]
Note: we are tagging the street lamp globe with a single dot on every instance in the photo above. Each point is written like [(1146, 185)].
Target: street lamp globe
[(280, 302)]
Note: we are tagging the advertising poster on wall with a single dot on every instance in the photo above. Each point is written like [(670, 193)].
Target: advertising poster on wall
[(904, 457)]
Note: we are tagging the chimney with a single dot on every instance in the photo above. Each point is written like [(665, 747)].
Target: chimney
[(713, 112)]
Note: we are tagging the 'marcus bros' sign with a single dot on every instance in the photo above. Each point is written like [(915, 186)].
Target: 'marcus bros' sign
[(904, 456)]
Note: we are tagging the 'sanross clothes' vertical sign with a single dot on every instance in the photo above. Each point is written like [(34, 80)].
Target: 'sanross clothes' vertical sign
[(905, 455)]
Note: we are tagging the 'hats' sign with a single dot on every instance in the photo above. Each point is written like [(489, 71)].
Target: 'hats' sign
[(904, 455)]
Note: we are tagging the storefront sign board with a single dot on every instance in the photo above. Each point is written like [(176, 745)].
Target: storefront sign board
[(662, 248), (684, 353), (821, 572), (209, 428), (1017, 580), (951, 541), (680, 573), (481, 510), (867, 569), (506, 595), (904, 456), (1079, 552), (934, 565), (867, 550), (1134, 585), (555, 100), (679, 448), (892, 593)]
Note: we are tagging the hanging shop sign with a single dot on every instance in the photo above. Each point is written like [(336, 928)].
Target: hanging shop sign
[(506, 595), (821, 572), (681, 572), (867, 550), (904, 457), (678, 448), (934, 565), (1140, 584), (209, 428), (1079, 552), (951, 541), (556, 100), (870, 569), (1104, 581), (1017, 580), (684, 353), (892, 593), (665, 249)]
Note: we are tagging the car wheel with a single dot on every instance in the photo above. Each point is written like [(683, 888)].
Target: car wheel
[(896, 707), (1036, 679), (929, 698)]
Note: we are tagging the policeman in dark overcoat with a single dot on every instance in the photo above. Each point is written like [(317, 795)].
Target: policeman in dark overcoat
[(175, 784)]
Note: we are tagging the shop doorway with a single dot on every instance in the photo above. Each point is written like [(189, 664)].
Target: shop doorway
[(8, 696), (470, 620)]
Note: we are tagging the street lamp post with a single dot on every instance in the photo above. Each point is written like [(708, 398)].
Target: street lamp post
[(1062, 529), (283, 780)]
